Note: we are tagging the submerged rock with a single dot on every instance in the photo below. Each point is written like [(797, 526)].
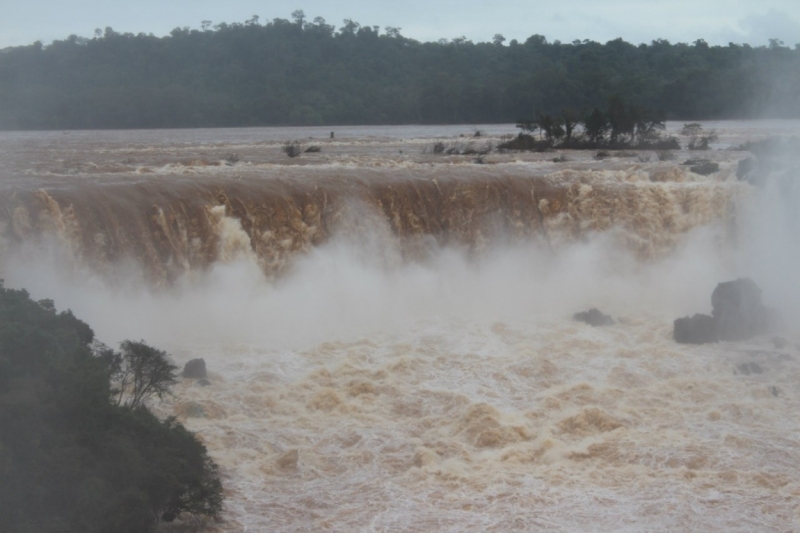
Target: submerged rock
[(593, 317), (196, 368), (750, 368), (779, 342), (738, 310), (698, 329)]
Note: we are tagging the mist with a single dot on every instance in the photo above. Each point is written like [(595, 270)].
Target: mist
[(378, 319), (357, 285)]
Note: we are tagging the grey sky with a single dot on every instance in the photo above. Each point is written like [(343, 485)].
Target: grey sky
[(716, 21)]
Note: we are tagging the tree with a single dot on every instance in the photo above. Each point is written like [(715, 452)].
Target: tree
[(140, 372), (595, 125), (299, 17), (620, 118), (697, 139), (528, 126), (71, 458), (393, 31), (649, 125), (552, 128), (570, 120)]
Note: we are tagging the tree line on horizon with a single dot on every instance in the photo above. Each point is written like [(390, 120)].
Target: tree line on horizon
[(301, 72)]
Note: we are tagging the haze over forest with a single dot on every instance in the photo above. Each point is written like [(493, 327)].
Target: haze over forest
[(308, 72)]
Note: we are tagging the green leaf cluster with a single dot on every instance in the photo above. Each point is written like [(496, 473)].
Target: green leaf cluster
[(73, 458)]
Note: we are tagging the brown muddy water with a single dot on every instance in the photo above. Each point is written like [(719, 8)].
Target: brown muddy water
[(389, 330)]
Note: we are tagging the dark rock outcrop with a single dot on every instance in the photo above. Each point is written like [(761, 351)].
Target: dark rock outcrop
[(196, 368), (737, 314), (593, 317), (704, 167), (698, 329), (738, 310), (748, 170)]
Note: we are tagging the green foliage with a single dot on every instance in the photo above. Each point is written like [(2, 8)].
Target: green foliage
[(551, 127), (140, 372), (595, 125), (70, 458), (698, 138), (629, 126), (309, 73)]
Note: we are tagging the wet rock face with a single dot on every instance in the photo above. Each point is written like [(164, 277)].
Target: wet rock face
[(704, 168), (737, 314), (697, 329), (738, 310), (196, 369), (593, 317)]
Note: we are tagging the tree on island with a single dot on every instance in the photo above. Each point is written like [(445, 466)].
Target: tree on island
[(627, 126)]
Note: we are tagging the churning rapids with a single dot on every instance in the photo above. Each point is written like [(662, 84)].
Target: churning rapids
[(389, 334)]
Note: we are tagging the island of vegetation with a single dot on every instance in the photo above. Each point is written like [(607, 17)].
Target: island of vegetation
[(308, 72), (79, 450)]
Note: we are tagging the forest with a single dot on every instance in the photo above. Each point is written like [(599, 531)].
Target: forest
[(79, 449), (308, 72)]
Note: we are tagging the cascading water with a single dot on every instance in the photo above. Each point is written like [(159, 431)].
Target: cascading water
[(389, 333)]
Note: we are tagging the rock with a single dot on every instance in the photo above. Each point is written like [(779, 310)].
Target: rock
[(288, 461), (738, 310), (746, 170), (737, 314), (203, 382), (753, 171), (705, 168), (196, 368), (593, 317), (189, 409), (698, 329)]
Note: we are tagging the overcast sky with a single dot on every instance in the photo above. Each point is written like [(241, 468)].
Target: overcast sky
[(717, 21)]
